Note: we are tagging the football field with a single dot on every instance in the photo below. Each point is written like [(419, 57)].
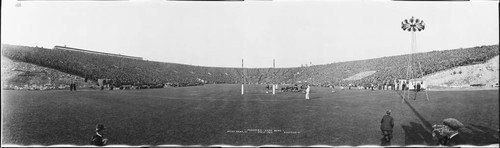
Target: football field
[(219, 114)]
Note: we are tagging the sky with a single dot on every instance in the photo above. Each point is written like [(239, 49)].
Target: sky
[(221, 34)]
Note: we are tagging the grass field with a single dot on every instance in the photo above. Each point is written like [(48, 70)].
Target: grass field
[(219, 114)]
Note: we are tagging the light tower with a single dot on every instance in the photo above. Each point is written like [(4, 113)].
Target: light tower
[(412, 25)]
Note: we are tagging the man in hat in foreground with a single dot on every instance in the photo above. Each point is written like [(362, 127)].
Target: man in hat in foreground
[(447, 133), (98, 139), (441, 132), (386, 125)]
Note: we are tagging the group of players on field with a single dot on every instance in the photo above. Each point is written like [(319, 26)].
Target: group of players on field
[(293, 88)]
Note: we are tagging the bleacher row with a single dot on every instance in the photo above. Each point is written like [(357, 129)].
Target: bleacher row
[(127, 71)]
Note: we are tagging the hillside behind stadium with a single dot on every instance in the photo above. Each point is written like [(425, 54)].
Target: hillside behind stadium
[(134, 71)]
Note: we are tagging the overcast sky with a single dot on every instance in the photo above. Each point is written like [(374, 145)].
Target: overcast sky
[(220, 34)]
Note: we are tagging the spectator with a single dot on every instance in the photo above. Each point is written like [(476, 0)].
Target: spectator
[(418, 87), (455, 139), (124, 71), (446, 135)]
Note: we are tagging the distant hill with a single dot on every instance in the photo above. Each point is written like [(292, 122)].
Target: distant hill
[(141, 72)]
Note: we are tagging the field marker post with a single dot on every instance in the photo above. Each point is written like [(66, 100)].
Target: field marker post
[(427, 95), (274, 89), (242, 78), (274, 85)]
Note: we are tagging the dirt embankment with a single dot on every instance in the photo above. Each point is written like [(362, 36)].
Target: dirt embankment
[(25, 76), (360, 75), (478, 75)]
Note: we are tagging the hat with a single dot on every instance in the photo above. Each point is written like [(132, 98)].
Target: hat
[(99, 127), (388, 112), (453, 123)]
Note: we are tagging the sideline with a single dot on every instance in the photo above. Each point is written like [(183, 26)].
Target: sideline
[(463, 89)]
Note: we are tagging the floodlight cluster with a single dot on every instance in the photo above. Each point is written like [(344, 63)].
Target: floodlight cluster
[(413, 25)]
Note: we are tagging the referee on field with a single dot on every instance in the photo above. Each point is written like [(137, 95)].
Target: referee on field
[(386, 126)]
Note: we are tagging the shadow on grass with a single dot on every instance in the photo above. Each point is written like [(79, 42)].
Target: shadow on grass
[(479, 135), (406, 93), (416, 134), (427, 125), (399, 93)]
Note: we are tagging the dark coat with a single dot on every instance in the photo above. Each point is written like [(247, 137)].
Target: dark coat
[(97, 140), (456, 140), (387, 123)]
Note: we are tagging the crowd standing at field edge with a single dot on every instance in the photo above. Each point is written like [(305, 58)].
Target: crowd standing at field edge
[(72, 86)]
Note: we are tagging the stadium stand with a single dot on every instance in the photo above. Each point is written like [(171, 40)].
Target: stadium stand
[(128, 70)]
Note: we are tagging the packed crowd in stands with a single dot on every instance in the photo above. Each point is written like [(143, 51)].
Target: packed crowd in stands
[(395, 67), (125, 71)]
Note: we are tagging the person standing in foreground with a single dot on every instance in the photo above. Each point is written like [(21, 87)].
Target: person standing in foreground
[(386, 126), (98, 139), (307, 92)]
